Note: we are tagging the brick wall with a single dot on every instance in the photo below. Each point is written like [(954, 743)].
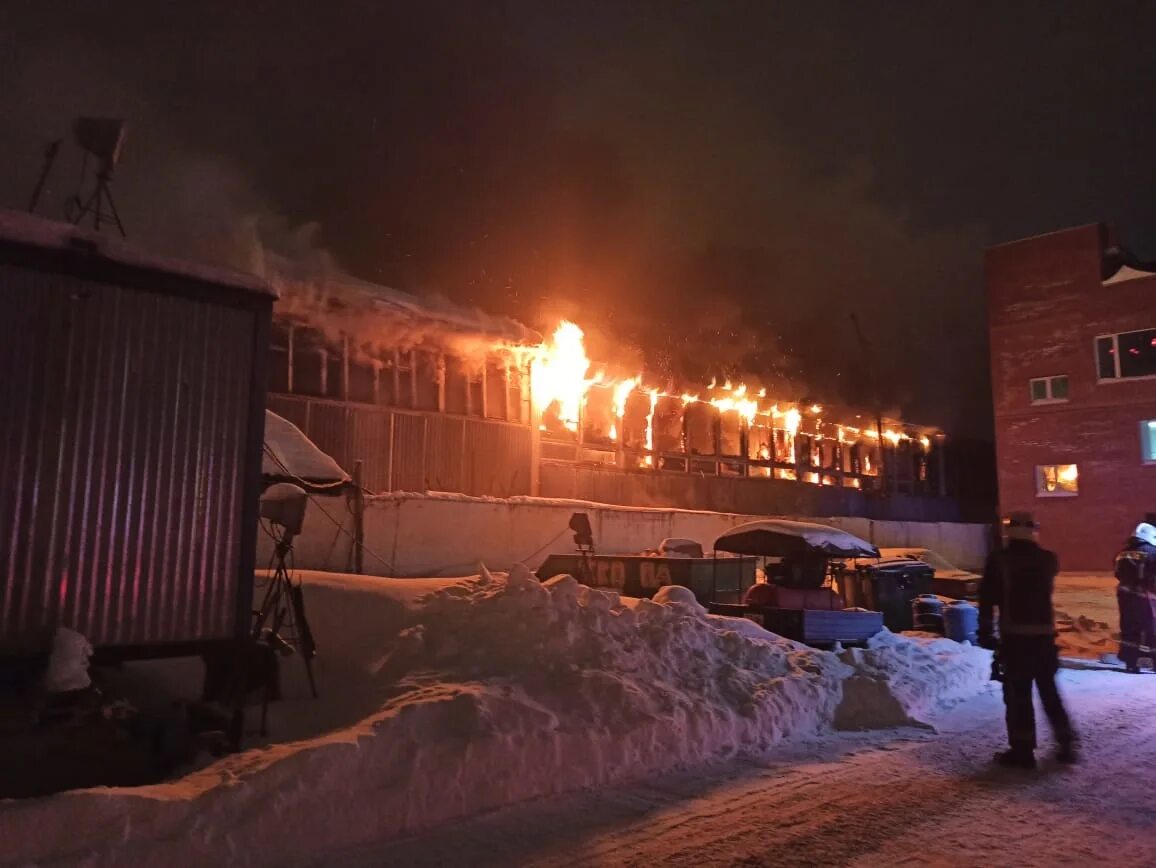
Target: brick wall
[(1046, 306)]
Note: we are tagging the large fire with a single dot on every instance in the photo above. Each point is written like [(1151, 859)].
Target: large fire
[(562, 377), (558, 376)]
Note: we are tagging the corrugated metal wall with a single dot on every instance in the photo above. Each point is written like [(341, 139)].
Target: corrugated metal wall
[(122, 461), (407, 451)]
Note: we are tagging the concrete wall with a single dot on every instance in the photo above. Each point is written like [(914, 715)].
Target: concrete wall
[(748, 496), (440, 535)]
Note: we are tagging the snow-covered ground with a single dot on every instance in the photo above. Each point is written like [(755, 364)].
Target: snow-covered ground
[(901, 797), (445, 698)]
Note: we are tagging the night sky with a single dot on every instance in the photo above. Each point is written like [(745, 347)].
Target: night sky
[(710, 186)]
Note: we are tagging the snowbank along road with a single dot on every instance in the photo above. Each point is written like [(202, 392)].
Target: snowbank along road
[(906, 797)]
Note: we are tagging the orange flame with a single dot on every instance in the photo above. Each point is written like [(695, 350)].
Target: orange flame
[(793, 417), (649, 460), (561, 377), (558, 375), (622, 393), (745, 408)]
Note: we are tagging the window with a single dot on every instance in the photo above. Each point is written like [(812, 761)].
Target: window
[(1057, 480), (278, 364), (1049, 390), (362, 380), (1126, 355), (428, 379), (1148, 441), (309, 362)]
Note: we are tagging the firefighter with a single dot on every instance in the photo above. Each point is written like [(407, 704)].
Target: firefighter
[(1136, 597), (1018, 580)]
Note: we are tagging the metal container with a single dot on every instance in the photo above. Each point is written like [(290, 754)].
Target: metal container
[(713, 580), (133, 402), (889, 587)]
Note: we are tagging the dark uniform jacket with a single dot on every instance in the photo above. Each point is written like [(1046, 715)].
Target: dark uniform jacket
[(1019, 580), (1136, 567)]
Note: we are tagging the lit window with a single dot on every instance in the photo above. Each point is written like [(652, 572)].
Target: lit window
[(1148, 441), (1057, 480), (1049, 390), (1126, 355)]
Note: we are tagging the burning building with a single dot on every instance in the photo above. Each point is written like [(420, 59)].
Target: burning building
[(437, 398)]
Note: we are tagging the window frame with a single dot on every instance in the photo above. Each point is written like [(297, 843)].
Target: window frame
[(1039, 478), (1115, 338), (1048, 381), (1148, 442)]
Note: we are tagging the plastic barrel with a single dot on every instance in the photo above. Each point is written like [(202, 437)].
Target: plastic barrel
[(961, 621), (927, 610)]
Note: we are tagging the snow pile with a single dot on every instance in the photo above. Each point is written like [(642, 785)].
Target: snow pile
[(900, 679), (486, 691), (626, 689)]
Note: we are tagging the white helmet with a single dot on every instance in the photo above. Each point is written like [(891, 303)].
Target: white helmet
[(1145, 533)]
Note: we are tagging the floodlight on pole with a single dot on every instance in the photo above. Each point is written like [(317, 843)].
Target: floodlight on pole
[(102, 138)]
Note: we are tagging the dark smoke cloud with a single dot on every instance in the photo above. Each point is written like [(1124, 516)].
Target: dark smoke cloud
[(708, 188)]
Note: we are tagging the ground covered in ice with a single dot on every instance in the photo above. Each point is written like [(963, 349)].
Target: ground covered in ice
[(445, 698)]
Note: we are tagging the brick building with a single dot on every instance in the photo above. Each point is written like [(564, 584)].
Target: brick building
[(1072, 321)]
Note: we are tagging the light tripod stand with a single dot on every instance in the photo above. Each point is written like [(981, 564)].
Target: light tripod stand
[(280, 621)]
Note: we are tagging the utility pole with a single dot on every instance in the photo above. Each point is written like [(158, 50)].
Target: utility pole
[(869, 363)]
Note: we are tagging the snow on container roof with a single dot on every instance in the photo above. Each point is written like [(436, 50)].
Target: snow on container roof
[(73, 245), (780, 537), (1127, 272), (345, 291), (291, 456)]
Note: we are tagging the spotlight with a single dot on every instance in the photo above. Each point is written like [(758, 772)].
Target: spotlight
[(583, 533), (284, 505), (103, 138)]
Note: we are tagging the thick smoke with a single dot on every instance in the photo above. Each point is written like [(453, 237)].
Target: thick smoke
[(440, 149)]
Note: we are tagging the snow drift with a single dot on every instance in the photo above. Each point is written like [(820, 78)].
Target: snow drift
[(475, 693)]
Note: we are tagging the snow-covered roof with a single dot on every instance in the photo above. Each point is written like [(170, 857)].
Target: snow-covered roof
[(779, 537), (1127, 272), (290, 456), (28, 230), (344, 290)]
